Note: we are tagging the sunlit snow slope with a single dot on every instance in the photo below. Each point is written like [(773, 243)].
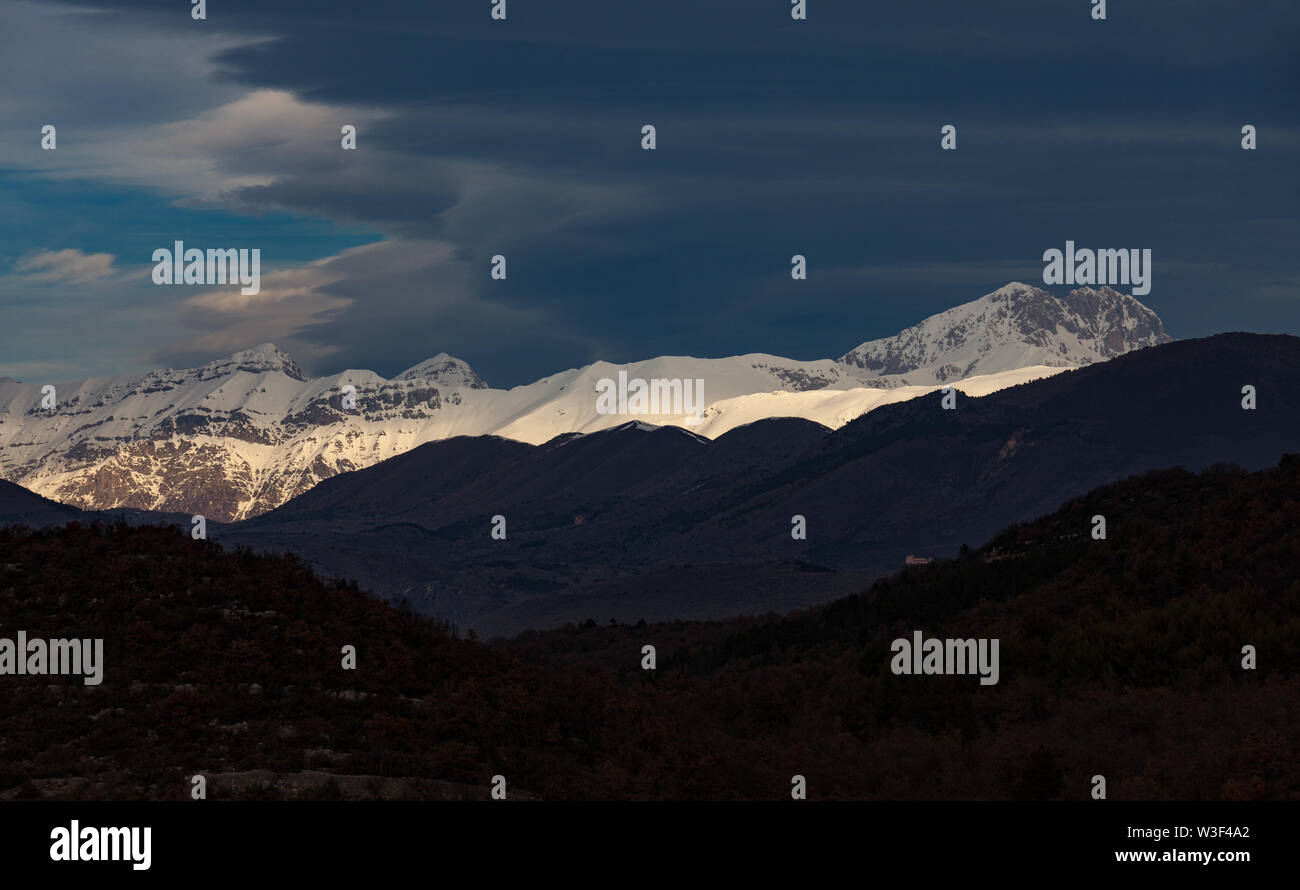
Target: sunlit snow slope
[(244, 434)]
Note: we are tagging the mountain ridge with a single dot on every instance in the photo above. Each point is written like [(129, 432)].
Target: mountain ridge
[(607, 522), (242, 435), (1098, 323)]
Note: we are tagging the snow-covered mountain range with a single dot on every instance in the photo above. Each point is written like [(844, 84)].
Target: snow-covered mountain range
[(242, 435)]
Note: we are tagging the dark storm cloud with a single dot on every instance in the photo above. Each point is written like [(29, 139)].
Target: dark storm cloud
[(775, 137)]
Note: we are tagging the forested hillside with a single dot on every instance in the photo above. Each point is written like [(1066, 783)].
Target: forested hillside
[(1119, 657)]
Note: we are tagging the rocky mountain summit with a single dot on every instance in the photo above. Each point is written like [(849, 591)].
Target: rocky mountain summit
[(244, 434)]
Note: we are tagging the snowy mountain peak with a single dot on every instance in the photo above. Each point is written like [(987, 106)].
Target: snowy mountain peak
[(244, 434), (1015, 326), (446, 370), (1016, 289), (258, 360)]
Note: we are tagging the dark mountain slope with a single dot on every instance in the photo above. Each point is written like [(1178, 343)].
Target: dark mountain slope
[(909, 478), (1119, 657), (912, 477), (400, 485), (18, 506)]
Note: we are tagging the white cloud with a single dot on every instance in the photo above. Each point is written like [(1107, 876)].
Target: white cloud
[(65, 265)]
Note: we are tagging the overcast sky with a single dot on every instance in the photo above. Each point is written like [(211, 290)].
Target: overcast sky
[(523, 138)]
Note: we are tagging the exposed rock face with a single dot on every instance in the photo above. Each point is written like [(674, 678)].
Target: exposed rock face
[(1014, 327), (229, 440), (242, 435)]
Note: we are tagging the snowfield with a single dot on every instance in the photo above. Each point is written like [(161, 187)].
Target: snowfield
[(242, 435)]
